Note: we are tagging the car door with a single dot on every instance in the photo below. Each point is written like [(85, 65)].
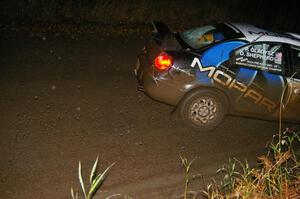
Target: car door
[(259, 69), (291, 102)]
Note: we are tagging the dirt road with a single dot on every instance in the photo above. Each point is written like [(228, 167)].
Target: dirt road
[(65, 100)]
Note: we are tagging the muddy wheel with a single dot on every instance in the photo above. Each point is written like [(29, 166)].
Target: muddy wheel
[(203, 110)]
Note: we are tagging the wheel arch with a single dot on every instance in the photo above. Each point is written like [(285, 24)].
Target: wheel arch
[(222, 93)]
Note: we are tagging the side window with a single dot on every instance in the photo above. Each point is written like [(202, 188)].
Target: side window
[(295, 55), (264, 56)]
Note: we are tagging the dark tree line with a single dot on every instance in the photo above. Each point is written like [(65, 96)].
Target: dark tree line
[(183, 12)]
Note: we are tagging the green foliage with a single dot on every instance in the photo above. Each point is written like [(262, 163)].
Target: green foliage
[(187, 166), (229, 179), (95, 181), (277, 175)]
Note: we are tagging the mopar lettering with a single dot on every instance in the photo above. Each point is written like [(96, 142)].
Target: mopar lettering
[(231, 83), (211, 69)]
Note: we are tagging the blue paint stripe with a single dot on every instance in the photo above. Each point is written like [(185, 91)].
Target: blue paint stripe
[(214, 56), (219, 53)]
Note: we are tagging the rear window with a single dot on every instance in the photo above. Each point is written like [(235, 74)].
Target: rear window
[(203, 36)]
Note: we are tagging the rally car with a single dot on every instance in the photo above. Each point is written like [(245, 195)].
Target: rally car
[(227, 68)]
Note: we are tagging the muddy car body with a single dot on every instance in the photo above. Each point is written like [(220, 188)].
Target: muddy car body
[(221, 69)]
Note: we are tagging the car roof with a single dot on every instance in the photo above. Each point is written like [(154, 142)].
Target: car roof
[(254, 33)]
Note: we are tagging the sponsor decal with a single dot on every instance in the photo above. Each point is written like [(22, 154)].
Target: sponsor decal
[(267, 33), (261, 33), (278, 58), (231, 83), (259, 56)]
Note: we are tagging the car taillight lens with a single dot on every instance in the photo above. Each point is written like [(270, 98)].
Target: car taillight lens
[(163, 62)]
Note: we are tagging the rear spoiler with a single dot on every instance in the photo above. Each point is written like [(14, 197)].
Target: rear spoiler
[(162, 29), (165, 37)]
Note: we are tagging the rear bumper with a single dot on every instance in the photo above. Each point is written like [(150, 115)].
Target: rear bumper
[(157, 86)]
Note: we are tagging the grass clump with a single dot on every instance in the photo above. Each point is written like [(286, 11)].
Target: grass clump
[(187, 166), (95, 181), (277, 175)]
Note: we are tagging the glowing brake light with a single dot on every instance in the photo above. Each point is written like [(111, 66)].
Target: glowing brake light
[(163, 62)]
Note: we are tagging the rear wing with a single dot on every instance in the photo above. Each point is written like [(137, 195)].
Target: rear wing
[(164, 36), (162, 29)]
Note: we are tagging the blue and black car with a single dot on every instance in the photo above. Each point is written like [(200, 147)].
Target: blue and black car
[(227, 68)]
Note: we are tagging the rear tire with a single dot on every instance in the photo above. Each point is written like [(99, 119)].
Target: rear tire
[(203, 110)]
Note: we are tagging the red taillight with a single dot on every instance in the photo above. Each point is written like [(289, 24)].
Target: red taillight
[(163, 62)]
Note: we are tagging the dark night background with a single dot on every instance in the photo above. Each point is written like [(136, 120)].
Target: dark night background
[(70, 97), (276, 15)]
